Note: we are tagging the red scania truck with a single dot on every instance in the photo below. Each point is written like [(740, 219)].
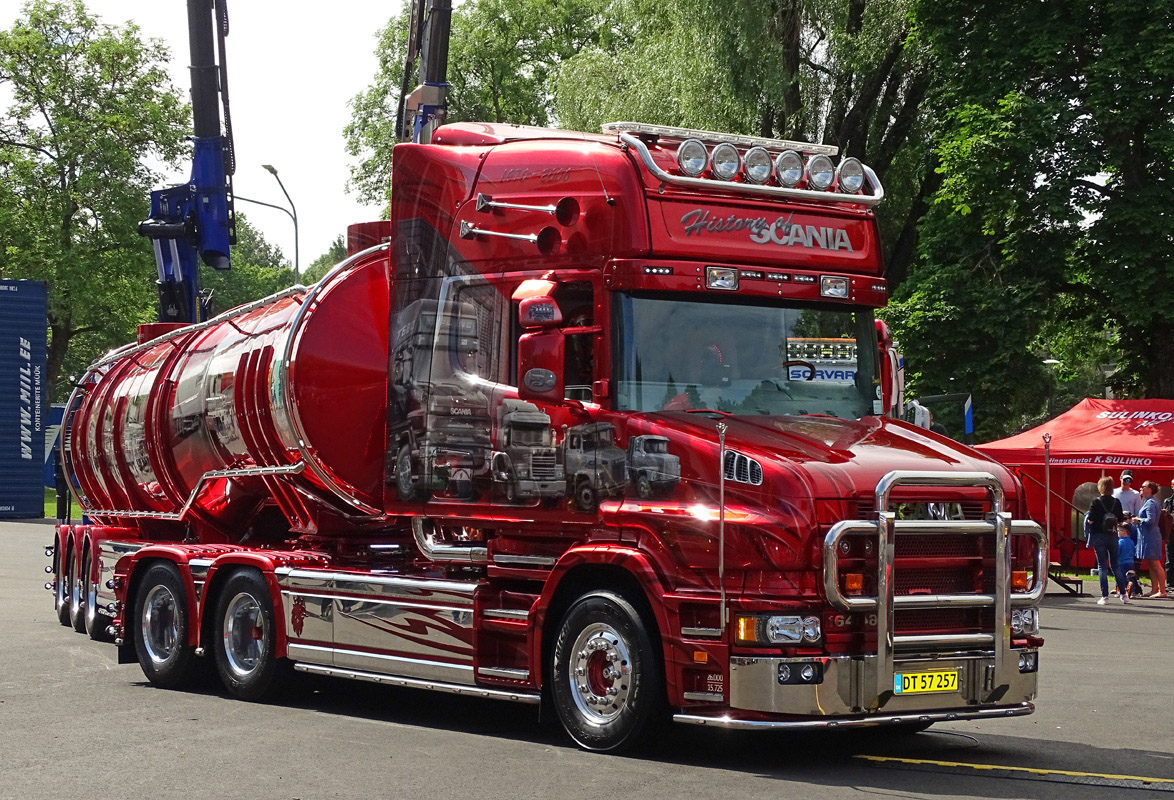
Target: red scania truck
[(554, 433)]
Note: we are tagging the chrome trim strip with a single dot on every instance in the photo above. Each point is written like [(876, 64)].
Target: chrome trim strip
[(502, 672), (412, 683), (312, 649), (508, 559), (286, 576), (381, 601), (915, 641), (702, 633), (704, 697), (505, 613), (728, 722), (753, 188)]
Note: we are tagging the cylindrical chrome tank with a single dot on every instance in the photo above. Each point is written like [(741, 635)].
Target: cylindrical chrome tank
[(278, 403)]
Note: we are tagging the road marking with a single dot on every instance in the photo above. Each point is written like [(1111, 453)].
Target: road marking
[(1166, 784)]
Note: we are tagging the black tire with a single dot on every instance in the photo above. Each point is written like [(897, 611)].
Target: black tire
[(77, 595), (245, 638), (96, 620), (643, 487), (586, 498), (161, 627), (61, 595), (404, 484), (602, 709)]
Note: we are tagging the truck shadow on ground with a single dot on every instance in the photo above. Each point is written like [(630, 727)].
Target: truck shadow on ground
[(867, 760)]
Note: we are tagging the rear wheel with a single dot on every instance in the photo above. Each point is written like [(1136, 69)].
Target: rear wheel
[(96, 620), (246, 638), (162, 623), (606, 684), (77, 595), (61, 595)]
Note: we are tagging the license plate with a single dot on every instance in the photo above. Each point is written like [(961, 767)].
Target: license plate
[(922, 682)]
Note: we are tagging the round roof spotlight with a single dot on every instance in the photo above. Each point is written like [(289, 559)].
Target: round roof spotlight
[(820, 172), (757, 165), (789, 169), (692, 157), (726, 162), (850, 176)]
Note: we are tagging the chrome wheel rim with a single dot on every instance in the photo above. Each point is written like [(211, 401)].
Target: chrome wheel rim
[(91, 602), (601, 673), (246, 630), (161, 624)]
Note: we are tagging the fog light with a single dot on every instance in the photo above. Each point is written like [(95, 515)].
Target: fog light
[(850, 176), (820, 172), (800, 672), (789, 168), (758, 165), (784, 673), (1028, 662), (725, 162), (807, 673)]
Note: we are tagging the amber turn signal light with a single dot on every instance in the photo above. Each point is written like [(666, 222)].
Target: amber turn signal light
[(1019, 580), (854, 583)]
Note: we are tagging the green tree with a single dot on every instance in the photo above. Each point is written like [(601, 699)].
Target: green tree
[(502, 60), (258, 269), (322, 264), (91, 105), (1056, 147)]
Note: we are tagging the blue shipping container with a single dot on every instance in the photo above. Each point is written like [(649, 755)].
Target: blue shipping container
[(24, 397)]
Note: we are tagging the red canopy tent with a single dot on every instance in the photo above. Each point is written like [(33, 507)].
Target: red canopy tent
[(1093, 438)]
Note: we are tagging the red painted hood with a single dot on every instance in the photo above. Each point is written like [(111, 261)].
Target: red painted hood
[(838, 458)]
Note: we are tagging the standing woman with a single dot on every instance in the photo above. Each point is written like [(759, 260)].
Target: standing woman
[(1149, 538), (1103, 517)]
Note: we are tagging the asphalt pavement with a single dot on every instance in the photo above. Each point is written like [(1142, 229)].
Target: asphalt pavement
[(75, 724)]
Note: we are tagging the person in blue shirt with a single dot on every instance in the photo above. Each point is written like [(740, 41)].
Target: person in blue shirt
[(1127, 583), (1149, 538)]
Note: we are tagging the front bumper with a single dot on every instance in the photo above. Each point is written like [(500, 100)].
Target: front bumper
[(847, 686)]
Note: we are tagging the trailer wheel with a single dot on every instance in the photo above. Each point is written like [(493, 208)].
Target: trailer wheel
[(606, 681), (161, 625), (96, 621), (245, 637), (77, 596), (61, 596)]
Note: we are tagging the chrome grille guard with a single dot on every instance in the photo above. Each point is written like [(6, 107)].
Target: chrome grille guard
[(887, 527)]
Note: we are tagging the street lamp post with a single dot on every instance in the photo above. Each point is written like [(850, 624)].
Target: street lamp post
[(297, 263)]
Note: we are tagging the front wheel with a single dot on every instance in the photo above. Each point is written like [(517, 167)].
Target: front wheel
[(161, 628), (403, 475), (245, 638), (606, 684)]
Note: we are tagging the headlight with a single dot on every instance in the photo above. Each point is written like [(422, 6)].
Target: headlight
[(789, 169), (725, 162), (820, 172), (778, 630), (692, 157), (757, 165), (850, 176)]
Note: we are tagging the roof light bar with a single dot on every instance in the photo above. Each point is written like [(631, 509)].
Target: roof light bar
[(712, 137)]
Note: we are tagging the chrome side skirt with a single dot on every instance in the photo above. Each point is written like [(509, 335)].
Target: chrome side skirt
[(412, 683), (878, 720)]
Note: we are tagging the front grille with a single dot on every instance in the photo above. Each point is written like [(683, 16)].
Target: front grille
[(932, 581), (742, 469), (911, 546), (544, 466), (923, 621)]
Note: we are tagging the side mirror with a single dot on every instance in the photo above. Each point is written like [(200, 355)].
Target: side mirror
[(540, 366)]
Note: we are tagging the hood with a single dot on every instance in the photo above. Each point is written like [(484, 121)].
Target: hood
[(838, 458)]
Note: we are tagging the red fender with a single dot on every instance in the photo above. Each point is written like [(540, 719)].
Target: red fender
[(178, 554), (634, 562)]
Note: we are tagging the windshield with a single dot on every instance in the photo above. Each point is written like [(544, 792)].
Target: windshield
[(530, 435), (674, 354)]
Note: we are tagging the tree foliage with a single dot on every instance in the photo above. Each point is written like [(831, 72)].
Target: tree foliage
[(91, 104), (322, 264), (1053, 223), (258, 269)]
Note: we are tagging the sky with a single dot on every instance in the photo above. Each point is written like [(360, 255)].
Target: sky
[(292, 69)]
